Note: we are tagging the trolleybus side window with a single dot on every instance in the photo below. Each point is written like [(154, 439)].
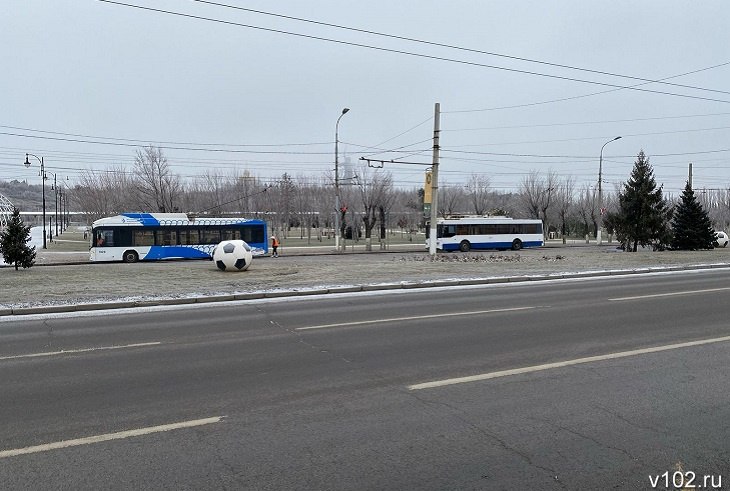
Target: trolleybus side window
[(447, 231), (253, 234), (104, 238), (144, 237), (189, 236), (166, 236), (229, 234), (210, 236)]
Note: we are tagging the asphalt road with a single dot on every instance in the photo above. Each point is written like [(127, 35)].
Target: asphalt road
[(373, 391)]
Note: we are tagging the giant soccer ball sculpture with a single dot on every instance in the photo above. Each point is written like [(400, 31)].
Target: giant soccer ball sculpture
[(232, 255)]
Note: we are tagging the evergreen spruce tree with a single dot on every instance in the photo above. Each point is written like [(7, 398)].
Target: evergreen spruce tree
[(643, 215), (691, 224), (14, 243)]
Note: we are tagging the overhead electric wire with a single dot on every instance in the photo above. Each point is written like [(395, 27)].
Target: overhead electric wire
[(284, 165), (578, 156), (409, 53), (156, 142), (399, 135), (682, 163), (563, 99), (165, 147), (93, 156), (562, 140), (123, 171), (459, 48), (382, 150), (548, 125)]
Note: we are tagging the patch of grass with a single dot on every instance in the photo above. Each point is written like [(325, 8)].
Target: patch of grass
[(70, 240)]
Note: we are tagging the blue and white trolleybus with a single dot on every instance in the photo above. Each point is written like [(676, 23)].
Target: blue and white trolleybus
[(131, 237), (465, 233)]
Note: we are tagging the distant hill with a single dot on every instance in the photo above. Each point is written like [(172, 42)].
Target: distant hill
[(27, 197)]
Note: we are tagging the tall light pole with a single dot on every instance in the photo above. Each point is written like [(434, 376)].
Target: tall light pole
[(337, 180), (599, 237), (54, 188), (60, 205), (43, 188)]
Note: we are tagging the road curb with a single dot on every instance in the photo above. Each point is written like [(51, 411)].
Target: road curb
[(52, 309)]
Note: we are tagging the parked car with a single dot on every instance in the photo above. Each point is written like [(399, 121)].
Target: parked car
[(722, 239)]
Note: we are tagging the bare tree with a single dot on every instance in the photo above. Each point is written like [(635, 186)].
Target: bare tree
[(451, 199), (373, 188), (531, 190), (245, 190), (158, 189), (408, 207), (478, 193), (287, 192), (564, 201), (506, 204), (719, 208), (348, 203), (209, 190), (305, 188), (322, 198), (105, 193), (384, 206), (537, 194)]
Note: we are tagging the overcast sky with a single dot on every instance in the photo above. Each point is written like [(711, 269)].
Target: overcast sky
[(253, 99)]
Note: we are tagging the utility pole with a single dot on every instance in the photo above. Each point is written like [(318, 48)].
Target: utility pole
[(689, 180), (434, 180)]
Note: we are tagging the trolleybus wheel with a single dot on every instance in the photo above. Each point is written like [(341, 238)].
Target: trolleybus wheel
[(130, 257)]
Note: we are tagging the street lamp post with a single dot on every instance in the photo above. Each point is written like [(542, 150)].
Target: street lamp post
[(54, 188), (599, 237), (60, 206), (337, 181), (43, 188), (65, 208), (63, 201)]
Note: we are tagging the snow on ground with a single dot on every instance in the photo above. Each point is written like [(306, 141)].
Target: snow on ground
[(36, 239), (105, 282)]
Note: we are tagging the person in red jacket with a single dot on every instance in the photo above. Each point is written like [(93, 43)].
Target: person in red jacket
[(274, 246)]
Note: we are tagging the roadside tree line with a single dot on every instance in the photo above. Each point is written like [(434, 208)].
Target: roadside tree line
[(371, 204)]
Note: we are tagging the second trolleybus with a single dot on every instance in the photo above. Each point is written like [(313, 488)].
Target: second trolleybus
[(465, 233)]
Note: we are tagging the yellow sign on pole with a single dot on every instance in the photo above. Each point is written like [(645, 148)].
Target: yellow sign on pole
[(427, 189)]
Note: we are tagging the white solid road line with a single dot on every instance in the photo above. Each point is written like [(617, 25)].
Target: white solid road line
[(109, 436), (415, 317), (656, 295), (83, 350), (549, 366)]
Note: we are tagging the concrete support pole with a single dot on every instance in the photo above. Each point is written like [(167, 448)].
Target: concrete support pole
[(434, 180)]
